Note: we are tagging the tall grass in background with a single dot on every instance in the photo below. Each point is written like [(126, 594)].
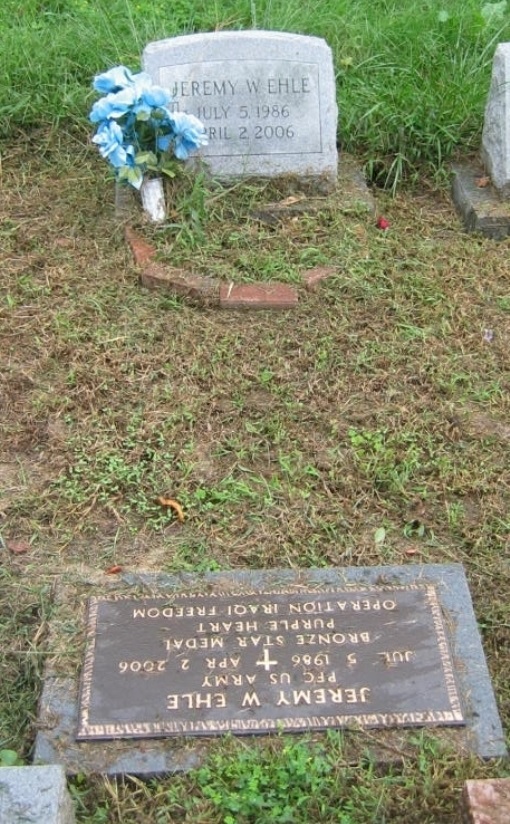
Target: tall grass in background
[(412, 77)]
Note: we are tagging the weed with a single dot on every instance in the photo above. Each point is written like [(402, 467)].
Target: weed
[(294, 780), (129, 475), (390, 460), (260, 786), (10, 758)]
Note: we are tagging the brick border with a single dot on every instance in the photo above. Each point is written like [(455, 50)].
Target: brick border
[(206, 291), (199, 290)]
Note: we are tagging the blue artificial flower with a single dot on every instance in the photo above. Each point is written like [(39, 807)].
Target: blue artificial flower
[(163, 142), (134, 122), (110, 139), (156, 96), (189, 134), (149, 97), (140, 96), (114, 105), (113, 80)]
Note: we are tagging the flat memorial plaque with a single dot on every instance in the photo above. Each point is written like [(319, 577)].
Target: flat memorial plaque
[(353, 656)]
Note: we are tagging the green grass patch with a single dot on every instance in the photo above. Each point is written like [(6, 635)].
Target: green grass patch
[(412, 79), (293, 780)]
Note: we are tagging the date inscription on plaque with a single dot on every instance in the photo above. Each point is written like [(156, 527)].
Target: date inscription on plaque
[(287, 660)]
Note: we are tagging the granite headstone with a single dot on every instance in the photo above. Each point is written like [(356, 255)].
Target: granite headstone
[(481, 187), (267, 100), (496, 130), (35, 795)]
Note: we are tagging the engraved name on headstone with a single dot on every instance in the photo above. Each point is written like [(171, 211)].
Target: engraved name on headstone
[(291, 660), (267, 100)]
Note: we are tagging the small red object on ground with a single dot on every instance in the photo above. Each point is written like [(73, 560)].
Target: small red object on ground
[(383, 224)]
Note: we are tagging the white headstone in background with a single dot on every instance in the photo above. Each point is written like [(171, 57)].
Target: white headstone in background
[(496, 130), (267, 100)]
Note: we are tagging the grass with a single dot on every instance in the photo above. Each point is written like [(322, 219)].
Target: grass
[(412, 79), (368, 426), (293, 780), (24, 612)]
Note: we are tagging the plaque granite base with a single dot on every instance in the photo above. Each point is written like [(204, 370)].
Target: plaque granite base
[(163, 662), (479, 204)]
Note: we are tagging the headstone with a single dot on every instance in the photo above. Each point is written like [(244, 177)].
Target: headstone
[(267, 100), (481, 188), (168, 657), (496, 130), (486, 801), (35, 795)]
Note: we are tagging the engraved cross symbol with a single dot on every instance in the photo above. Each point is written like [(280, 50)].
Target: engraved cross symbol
[(265, 661)]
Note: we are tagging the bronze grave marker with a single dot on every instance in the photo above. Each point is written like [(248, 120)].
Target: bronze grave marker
[(178, 665)]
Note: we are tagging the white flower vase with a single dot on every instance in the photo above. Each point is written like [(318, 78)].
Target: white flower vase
[(153, 199)]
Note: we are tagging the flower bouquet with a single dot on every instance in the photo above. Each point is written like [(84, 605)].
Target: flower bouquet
[(137, 132)]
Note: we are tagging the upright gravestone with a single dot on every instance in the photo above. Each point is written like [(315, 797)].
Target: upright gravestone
[(481, 190), (267, 100), (496, 131)]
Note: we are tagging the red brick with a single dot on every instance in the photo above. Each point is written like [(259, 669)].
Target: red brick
[(257, 296), (197, 289), (486, 801), (143, 252), (313, 276)]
